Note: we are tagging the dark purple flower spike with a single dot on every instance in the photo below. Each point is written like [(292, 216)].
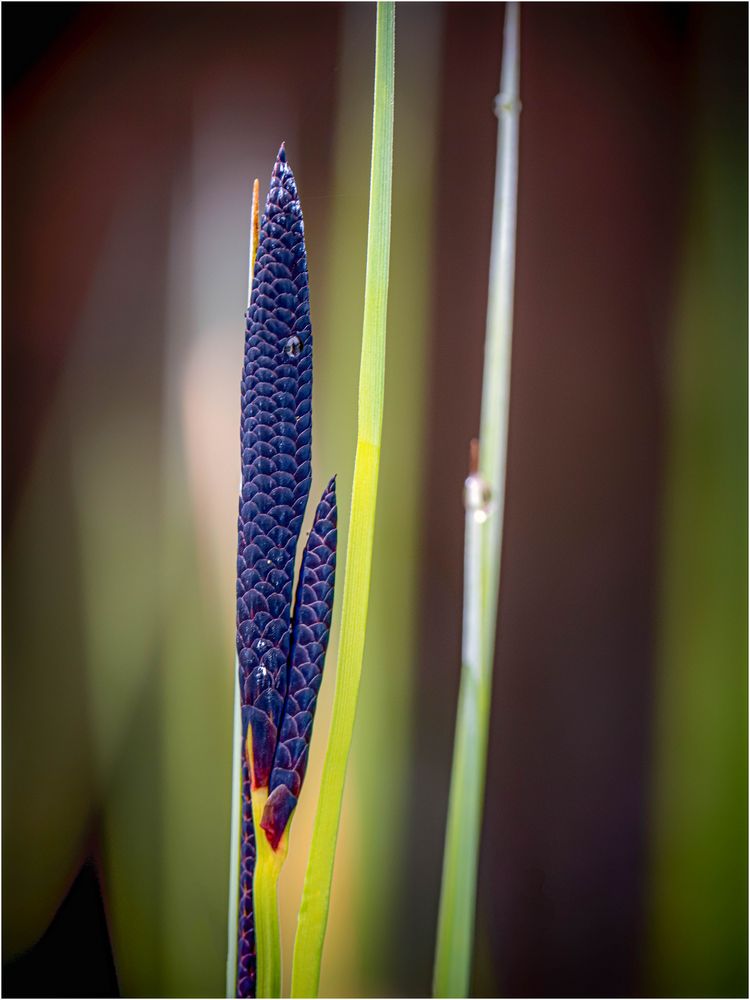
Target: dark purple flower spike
[(280, 668), (276, 439)]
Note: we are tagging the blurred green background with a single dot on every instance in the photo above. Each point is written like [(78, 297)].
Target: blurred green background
[(614, 857)]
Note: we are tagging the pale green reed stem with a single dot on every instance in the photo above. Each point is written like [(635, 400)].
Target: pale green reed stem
[(316, 894), (484, 500), (457, 900)]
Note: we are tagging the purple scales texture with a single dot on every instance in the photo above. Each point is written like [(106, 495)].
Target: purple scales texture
[(279, 667), (312, 623), (276, 434), (276, 440)]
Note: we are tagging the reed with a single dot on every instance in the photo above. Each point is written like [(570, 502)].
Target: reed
[(484, 500)]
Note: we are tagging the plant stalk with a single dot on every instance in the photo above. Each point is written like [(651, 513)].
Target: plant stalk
[(235, 839), (456, 919), (268, 865), (313, 915), (235, 835), (484, 501)]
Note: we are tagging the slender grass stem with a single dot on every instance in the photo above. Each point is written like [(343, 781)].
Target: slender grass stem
[(234, 843), (268, 865), (493, 431), (484, 501), (456, 920), (313, 915), (267, 932), (235, 815)]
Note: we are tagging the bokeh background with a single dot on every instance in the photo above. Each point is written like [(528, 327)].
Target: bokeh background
[(614, 858)]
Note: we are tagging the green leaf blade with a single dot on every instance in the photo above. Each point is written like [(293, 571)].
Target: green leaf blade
[(313, 915)]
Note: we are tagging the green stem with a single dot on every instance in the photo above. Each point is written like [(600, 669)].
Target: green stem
[(235, 840), (456, 917), (268, 865), (313, 915), (484, 500)]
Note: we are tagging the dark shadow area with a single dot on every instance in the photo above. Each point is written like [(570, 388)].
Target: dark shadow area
[(73, 958), (30, 30)]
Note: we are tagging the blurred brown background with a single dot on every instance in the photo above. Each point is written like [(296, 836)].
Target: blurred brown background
[(614, 858)]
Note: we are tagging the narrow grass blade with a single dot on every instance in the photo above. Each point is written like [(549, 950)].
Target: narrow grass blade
[(484, 502), (234, 843), (313, 914), (235, 822)]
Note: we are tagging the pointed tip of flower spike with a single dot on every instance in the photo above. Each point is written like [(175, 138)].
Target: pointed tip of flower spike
[(283, 175), (281, 166)]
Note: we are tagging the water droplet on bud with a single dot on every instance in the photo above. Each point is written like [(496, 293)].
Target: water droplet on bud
[(260, 680), (293, 346)]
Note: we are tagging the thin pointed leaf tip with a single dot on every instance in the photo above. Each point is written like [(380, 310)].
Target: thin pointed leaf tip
[(280, 661)]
